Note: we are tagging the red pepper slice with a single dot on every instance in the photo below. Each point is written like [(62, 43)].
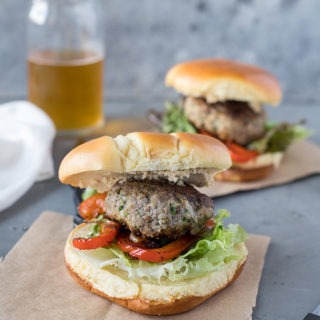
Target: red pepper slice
[(240, 154), (109, 232), (93, 206), (210, 224), (167, 252)]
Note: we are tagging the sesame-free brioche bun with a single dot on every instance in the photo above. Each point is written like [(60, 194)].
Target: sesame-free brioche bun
[(143, 296), (221, 80), (235, 174), (253, 170), (99, 163)]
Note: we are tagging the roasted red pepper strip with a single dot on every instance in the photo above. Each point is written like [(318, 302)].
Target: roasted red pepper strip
[(93, 206), (210, 223), (240, 154), (109, 232), (167, 252)]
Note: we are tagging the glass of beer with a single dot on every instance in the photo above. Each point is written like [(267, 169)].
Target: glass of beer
[(65, 63)]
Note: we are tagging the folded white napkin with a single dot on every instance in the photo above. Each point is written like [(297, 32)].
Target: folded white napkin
[(26, 135)]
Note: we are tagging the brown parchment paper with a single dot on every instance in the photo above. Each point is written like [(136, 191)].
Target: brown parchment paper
[(302, 159), (34, 283)]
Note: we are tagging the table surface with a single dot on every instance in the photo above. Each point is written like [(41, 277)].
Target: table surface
[(290, 214)]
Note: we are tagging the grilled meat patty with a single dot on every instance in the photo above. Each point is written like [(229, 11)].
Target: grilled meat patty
[(158, 209), (228, 121)]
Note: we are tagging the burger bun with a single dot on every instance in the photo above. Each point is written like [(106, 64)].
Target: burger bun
[(101, 162), (145, 297), (218, 80), (259, 168)]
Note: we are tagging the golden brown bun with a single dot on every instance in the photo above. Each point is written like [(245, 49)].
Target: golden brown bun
[(221, 80), (147, 297), (235, 174), (256, 169), (101, 162)]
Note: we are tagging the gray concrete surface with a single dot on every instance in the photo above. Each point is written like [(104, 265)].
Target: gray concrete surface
[(290, 284), (145, 37)]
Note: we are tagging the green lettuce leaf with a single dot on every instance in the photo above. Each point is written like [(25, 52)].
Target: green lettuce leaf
[(174, 120), (279, 136), (211, 253), (87, 193)]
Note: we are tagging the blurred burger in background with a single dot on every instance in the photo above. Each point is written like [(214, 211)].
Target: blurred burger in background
[(224, 99)]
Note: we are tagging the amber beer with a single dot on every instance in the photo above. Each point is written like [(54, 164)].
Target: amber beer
[(68, 86)]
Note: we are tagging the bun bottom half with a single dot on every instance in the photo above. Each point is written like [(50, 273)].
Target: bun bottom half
[(236, 174), (259, 168), (149, 297)]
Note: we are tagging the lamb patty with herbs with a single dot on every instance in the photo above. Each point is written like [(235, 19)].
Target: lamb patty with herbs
[(228, 121), (158, 209)]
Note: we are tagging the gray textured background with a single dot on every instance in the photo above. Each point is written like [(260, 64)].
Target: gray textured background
[(145, 37)]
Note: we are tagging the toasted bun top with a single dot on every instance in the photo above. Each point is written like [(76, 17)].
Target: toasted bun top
[(101, 162), (221, 80)]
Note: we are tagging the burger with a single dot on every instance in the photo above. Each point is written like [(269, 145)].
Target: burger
[(224, 99), (151, 242)]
